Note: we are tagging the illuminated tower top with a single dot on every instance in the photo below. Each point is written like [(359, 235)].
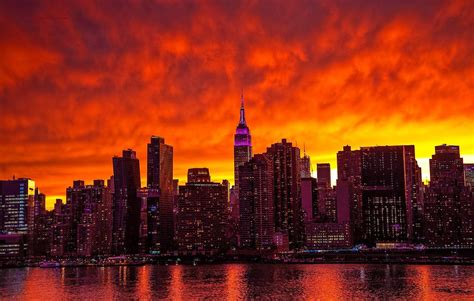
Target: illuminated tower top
[(242, 133), (242, 144)]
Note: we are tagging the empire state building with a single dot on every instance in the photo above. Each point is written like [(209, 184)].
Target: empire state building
[(242, 144)]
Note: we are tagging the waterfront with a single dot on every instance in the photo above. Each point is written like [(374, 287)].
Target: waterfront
[(241, 281)]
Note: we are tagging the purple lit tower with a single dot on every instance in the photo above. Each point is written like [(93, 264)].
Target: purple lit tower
[(242, 144)]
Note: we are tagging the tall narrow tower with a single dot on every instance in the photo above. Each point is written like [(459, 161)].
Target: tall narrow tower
[(242, 144), (160, 175)]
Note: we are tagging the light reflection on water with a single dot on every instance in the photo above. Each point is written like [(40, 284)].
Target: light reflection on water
[(241, 281)]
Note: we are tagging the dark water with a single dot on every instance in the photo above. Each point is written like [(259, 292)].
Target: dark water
[(241, 281)]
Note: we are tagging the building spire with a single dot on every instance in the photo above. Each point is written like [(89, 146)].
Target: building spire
[(242, 110)]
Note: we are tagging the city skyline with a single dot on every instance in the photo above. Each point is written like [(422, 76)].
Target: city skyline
[(51, 199), (81, 81)]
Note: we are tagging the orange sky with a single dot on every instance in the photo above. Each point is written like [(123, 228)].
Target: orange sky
[(79, 83)]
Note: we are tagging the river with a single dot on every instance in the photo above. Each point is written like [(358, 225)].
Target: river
[(241, 281)]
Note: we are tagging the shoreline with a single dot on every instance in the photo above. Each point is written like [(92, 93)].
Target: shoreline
[(332, 257)]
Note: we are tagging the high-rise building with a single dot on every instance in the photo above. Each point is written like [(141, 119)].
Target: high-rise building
[(309, 198), (104, 216), (469, 175), (17, 198), (327, 204), (242, 144), (305, 166), (160, 176), (60, 229), (75, 205), (388, 193), (127, 207), (202, 216), (287, 192), (149, 220), (449, 207), (257, 226), (88, 214), (348, 190), (40, 240), (323, 171)]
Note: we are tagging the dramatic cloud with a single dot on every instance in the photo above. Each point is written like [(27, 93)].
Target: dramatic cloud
[(81, 81)]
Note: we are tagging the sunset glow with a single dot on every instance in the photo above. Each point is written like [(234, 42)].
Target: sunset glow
[(81, 82)]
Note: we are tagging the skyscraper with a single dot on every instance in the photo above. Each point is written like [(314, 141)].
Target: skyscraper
[(202, 215), (257, 225), (160, 176), (242, 144), (126, 205), (287, 192), (17, 199), (326, 194), (75, 202), (388, 193), (60, 230), (449, 207), (88, 219), (323, 171), (149, 220), (305, 166), (309, 198), (348, 190)]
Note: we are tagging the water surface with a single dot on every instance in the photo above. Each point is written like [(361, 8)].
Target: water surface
[(241, 281)]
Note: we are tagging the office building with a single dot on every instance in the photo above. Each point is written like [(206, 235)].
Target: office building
[(126, 214), (287, 192), (257, 225), (160, 176), (202, 216)]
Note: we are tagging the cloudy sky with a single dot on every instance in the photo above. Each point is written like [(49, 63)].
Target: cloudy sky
[(81, 81)]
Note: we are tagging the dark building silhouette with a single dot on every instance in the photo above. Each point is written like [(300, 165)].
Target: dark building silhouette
[(287, 192), (309, 198), (242, 144), (389, 191), (323, 171), (202, 216), (86, 219), (448, 203), (127, 206), (199, 175), (104, 216), (257, 226), (149, 242), (40, 244), (160, 176), (75, 202), (60, 230), (348, 190)]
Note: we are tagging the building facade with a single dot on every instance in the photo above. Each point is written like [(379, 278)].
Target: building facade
[(202, 216), (242, 144), (448, 203), (388, 193), (257, 225), (288, 215), (126, 206), (160, 176)]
